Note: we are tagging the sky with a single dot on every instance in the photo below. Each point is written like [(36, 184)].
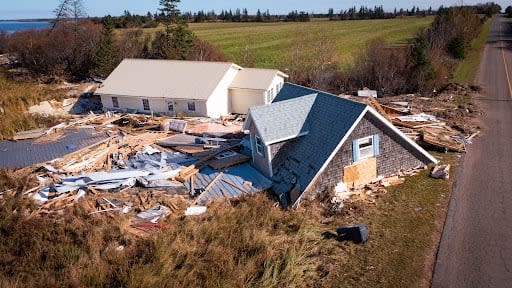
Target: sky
[(30, 9)]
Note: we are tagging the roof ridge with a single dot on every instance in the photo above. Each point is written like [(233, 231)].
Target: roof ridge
[(174, 60), (287, 101), (320, 92)]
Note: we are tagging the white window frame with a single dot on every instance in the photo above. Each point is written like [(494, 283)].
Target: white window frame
[(115, 102), (367, 151), (268, 97), (260, 147), (170, 106), (192, 105), (145, 105)]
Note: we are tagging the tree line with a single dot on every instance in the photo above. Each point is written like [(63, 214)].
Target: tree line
[(77, 46), (425, 64)]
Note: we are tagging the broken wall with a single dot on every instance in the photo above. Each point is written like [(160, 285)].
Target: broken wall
[(395, 154), (278, 152)]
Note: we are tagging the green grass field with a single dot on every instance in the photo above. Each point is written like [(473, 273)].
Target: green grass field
[(272, 44)]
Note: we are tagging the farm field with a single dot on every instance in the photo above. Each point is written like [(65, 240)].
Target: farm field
[(271, 45)]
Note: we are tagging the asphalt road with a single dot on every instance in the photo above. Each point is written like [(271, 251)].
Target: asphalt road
[(476, 246)]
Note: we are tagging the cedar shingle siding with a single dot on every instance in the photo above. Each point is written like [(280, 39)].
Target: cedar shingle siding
[(315, 123), (395, 154), (278, 152)]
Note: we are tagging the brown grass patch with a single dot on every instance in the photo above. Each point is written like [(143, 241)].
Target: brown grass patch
[(245, 243), (16, 97)]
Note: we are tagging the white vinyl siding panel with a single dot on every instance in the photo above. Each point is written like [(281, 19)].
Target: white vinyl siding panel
[(156, 105), (243, 99), (218, 103)]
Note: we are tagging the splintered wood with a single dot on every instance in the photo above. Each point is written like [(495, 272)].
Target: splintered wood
[(444, 137), (219, 164), (373, 103), (186, 173), (426, 130)]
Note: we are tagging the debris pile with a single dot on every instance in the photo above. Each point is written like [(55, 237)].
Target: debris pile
[(370, 192), (441, 172), (135, 168), (443, 121)]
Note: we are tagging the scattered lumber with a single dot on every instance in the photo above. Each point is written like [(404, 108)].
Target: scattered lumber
[(219, 164), (376, 105), (186, 173)]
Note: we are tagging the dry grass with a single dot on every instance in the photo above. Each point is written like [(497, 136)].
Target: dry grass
[(16, 97), (249, 243)]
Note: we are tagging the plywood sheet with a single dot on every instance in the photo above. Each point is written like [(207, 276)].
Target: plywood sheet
[(361, 172)]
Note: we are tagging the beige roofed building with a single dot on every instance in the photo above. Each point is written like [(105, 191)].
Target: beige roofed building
[(254, 87), (191, 88)]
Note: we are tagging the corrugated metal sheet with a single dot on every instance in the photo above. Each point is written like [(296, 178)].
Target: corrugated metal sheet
[(234, 182), (25, 153)]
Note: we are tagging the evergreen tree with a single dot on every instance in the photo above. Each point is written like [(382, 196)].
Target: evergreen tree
[(259, 18), (245, 15), (330, 14), (177, 40), (107, 55)]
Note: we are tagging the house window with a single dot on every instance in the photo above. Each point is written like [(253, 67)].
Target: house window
[(145, 104), (170, 106), (268, 98), (366, 147), (191, 106), (259, 146), (115, 102)]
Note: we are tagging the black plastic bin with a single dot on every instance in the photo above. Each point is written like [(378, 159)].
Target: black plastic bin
[(354, 233)]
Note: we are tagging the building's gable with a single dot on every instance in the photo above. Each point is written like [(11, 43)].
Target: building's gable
[(316, 160), (395, 154)]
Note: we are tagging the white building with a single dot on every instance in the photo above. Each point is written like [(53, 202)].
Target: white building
[(190, 88)]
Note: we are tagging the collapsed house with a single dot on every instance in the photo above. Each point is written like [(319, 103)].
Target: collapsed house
[(307, 141), (191, 88)]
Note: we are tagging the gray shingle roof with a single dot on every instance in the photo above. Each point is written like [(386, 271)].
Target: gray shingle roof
[(283, 120), (27, 152), (328, 120)]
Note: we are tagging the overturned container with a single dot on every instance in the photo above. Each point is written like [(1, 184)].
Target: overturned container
[(355, 233)]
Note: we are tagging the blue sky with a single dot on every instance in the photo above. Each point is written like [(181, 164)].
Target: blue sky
[(24, 9)]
